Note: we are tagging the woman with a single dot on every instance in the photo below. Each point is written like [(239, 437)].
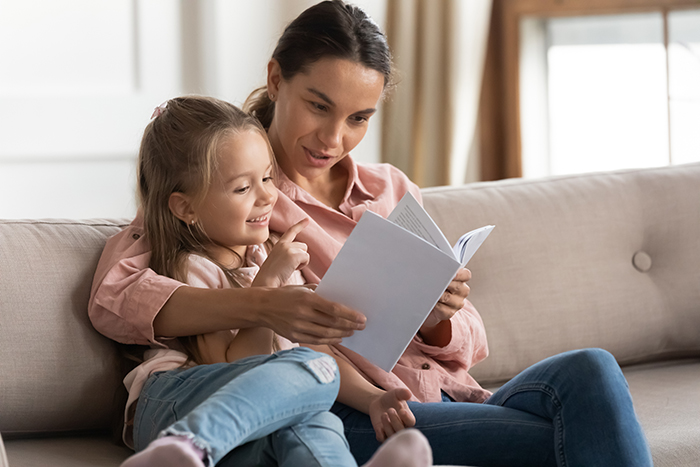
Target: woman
[(329, 71)]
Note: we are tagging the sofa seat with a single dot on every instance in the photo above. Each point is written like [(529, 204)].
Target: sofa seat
[(667, 400), (94, 451), (666, 397)]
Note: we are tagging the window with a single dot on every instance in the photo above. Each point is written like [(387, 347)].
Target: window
[(596, 88)]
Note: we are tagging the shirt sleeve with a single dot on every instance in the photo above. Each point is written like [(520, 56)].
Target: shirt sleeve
[(202, 273), (468, 345), (126, 294)]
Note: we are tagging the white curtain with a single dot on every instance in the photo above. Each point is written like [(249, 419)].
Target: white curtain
[(430, 121)]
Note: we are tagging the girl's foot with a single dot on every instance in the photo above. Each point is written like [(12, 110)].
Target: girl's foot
[(169, 451), (407, 448)]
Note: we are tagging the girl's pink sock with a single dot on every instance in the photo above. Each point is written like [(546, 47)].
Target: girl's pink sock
[(169, 451), (407, 448)]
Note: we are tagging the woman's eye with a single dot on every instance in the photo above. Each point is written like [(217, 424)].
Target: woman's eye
[(359, 119), (320, 107)]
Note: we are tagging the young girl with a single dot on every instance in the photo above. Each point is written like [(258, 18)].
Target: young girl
[(206, 187)]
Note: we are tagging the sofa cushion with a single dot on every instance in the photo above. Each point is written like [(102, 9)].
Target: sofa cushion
[(666, 398), (559, 270), (58, 373), (88, 451)]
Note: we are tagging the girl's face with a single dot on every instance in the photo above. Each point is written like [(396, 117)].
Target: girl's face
[(237, 207), (321, 115)]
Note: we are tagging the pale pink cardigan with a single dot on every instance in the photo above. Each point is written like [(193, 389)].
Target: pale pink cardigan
[(126, 295)]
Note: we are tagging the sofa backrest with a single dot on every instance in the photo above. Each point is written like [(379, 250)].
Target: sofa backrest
[(600, 260), (56, 372)]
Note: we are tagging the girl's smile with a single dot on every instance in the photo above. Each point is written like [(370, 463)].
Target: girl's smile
[(238, 205)]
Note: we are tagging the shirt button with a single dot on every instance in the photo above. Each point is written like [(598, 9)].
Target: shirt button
[(426, 366), (136, 236)]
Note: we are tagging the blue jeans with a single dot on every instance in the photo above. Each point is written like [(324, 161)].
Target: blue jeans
[(573, 409), (262, 410)]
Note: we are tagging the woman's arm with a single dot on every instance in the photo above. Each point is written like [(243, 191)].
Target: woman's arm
[(388, 410), (131, 304), (294, 312)]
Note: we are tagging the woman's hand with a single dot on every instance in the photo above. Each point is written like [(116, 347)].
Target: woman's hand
[(302, 316), (452, 299), (285, 257), (390, 413), (437, 330)]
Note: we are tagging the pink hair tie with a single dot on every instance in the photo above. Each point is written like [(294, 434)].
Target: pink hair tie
[(159, 110)]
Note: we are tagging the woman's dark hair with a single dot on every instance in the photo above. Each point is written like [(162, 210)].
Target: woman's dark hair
[(328, 29)]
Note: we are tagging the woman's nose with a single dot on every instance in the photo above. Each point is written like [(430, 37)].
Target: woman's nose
[(331, 134)]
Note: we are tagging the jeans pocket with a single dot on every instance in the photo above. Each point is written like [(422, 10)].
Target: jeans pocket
[(151, 418)]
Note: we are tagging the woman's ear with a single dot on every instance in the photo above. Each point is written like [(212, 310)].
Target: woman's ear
[(181, 207), (274, 77)]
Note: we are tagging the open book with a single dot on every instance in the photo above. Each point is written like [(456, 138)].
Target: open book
[(394, 271)]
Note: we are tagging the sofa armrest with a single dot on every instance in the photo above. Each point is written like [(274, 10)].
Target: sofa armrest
[(3, 455)]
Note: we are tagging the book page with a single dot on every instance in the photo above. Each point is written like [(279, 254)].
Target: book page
[(468, 243), (410, 215)]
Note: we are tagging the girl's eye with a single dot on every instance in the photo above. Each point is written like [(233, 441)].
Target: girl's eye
[(241, 191), (267, 179)]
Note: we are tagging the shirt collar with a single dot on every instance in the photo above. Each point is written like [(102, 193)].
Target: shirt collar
[(296, 193)]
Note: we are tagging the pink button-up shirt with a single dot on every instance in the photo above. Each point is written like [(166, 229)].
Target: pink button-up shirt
[(126, 295)]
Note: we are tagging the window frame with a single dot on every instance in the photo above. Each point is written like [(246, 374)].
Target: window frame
[(499, 109)]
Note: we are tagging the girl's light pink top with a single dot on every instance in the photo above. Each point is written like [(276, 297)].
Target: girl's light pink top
[(126, 295)]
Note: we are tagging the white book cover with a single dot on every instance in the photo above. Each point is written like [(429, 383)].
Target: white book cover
[(394, 271)]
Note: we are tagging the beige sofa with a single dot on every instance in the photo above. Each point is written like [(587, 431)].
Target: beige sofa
[(605, 260)]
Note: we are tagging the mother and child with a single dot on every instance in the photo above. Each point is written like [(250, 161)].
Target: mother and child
[(240, 211)]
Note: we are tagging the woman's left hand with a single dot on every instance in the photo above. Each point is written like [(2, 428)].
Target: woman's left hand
[(452, 299)]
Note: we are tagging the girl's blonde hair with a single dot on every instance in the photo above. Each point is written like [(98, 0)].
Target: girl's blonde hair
[(179, 154)]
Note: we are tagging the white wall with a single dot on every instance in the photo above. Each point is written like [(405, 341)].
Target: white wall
[(80, 78)]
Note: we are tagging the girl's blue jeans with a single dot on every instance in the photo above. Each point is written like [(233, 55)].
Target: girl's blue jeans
[(573, 409), (262, 410)]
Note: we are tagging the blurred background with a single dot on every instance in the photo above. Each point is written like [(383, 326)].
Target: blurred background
[(488, 89)]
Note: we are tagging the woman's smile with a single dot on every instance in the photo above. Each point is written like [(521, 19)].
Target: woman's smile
[(318, 158), (320, 116)]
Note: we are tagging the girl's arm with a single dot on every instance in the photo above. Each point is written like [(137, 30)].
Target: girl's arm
[(388, 410), (229, 346)]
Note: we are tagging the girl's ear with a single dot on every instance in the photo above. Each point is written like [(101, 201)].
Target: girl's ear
[(181, 207), (274, 76)]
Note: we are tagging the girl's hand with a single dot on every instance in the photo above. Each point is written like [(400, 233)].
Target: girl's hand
[(285, 257), (390, 413), (452, 299)]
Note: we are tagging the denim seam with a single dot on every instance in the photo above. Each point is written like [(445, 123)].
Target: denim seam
[(551, 392), (277, 416), (432, 426), (313, 454)]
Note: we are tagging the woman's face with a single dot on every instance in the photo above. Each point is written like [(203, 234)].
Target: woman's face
[(321, 115)]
